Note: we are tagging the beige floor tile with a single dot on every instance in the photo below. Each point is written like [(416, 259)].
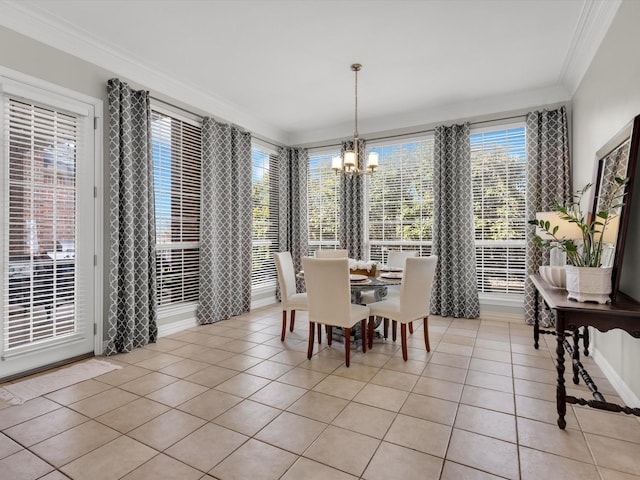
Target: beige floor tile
[(318, 406), (210, 404), (430, 408), (484, 453), (438, 388), (238, 346), (454, 349), (99, 404), (455, 471), (342, 449), (240, 362), (358, 371), (212, 356), (243, 385), (40, 428), (614, 425), (132, 415), (184, 368), (382, 397), (414, 367), (543, 411), (255, 460), (278, 395), (55, 475), (493, 345), (456, 361), (551, 439), (8, 446), (23, 465), (162, 467), (535, 374), (207, 446), (444, 372), (394, 461), (486, 398), (365, 419), (422, 435), (158, 361), (211, 376), (111, 461), (535, 464), (541, 391), (340, 387), (533, 361), (290, 357), (609, 474), (490, 354), (16, 414), (465, 340), (488, 380), (73, 443), (270, 370), (615, 454), (149, 383), (487, 422), (309, 470), (188, 350), (80, 391), (263, 351), (177, 393), (166, 429), (490, 366), (394, 379), (302, 377), (370, 358), (122, 375), (291, 432), (135, 356), (324, 364), (247, 417), (165, 344)]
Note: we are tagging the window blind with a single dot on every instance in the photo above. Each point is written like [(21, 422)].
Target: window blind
[(324, 202), (498, 163), (40, 273), (400, 199), (265, 217), (176, 149)]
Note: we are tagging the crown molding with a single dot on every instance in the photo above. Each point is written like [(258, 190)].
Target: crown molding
[(58, 34), (594, 22)]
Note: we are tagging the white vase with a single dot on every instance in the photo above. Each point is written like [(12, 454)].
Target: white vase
[(588, 284)]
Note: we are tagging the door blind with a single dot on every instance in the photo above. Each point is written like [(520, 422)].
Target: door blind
[(40, 236)]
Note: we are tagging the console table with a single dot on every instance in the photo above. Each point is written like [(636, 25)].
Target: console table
[(569, 316)]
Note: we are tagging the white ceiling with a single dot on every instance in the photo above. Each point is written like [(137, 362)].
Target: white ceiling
[(281, 68)]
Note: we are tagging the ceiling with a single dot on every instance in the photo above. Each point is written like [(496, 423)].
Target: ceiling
[(281, 68)]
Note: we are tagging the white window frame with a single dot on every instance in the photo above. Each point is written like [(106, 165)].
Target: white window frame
[(324, 244)]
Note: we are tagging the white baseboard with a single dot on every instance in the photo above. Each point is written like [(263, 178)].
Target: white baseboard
[(177, 326), (626, 394), (263, 302)]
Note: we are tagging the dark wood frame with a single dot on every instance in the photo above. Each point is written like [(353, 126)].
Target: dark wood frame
[(630, 132)]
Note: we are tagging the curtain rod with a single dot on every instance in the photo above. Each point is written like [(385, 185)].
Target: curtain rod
[(418, 132), (200, 117)]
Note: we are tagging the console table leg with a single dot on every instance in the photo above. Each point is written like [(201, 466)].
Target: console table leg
[(561, 391), (585, 340), (576, 355), (536, 324)]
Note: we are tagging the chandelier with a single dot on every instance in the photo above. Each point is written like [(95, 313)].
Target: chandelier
[(348, 162)]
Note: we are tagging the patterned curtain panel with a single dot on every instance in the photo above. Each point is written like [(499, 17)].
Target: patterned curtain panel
[(132, 314), (352, 206), (225, 223), (548, 177), (455, 291), (293, 226)]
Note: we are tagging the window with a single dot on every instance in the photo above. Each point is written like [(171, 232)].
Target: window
[(324, 203), (498, 164), (265, 217), (400, 199), (176, 148)]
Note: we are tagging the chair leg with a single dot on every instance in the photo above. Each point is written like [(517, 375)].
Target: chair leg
[(284, 325), (426, 333), (312, 331), (370, 332), (319, 334), (363, 329), (386, 328), (329, 334), (394, 326), (403, 337), (411, 328), (292, 321), (347, 345)]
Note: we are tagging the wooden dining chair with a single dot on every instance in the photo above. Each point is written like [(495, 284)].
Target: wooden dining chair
[(329, 299), (291, 301), (331, 254), (413, 302)]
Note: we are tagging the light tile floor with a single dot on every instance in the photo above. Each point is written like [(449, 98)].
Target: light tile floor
[(230, 401)]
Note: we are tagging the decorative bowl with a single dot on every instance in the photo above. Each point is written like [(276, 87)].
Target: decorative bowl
[(554, 276)]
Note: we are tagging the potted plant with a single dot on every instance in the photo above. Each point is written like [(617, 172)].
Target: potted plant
[(587, 279)]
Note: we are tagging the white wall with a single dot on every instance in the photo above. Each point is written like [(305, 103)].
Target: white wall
[(606, 100)]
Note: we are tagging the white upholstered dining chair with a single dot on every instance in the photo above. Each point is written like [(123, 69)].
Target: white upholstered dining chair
[(329, 299), (413, 302), (331, 254), (291, 301)]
